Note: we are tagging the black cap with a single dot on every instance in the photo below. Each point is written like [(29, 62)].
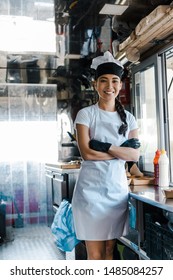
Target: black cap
[(107, 64)]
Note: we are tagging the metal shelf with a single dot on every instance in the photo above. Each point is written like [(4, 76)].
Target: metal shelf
[(142, 254)]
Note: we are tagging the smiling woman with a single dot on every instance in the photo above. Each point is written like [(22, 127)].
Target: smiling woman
[(105, 132), (108, 86)]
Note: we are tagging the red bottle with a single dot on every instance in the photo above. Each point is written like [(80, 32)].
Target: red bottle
[(156, 167)]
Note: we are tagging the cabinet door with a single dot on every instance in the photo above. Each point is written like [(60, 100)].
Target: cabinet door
[(59, 188)]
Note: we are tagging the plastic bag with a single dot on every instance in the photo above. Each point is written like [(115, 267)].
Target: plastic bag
[(63, 227), (132, 216)]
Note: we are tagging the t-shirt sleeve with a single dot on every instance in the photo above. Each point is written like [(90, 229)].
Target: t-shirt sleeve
[(132, 122), (83, 117)]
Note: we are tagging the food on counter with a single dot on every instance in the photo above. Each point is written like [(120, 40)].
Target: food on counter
[(136, 177), (128, 174), (134, 170), (168, 193), (142, 181)]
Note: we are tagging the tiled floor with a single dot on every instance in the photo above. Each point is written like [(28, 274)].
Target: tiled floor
[(30, 243)]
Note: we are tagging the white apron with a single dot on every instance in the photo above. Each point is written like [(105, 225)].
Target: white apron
[(101, 193)]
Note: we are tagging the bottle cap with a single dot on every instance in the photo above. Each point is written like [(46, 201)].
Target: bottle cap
[(158, 152), (157, 155), (163, 151)]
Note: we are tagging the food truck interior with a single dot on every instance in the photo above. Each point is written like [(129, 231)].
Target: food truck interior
[(46, 48)]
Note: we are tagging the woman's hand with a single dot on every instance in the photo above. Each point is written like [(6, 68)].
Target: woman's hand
[(129, 150), (104, 146), (99, 146), (88, 153), (132, 143)]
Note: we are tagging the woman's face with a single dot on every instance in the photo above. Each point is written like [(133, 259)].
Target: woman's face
[(108, 86)]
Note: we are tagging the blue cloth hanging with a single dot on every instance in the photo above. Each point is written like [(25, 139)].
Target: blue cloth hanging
[(63, 227)]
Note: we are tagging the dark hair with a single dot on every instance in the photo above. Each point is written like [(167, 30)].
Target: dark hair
[(122, 114)]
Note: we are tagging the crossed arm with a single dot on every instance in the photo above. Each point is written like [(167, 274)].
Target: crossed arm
[(114, 152)]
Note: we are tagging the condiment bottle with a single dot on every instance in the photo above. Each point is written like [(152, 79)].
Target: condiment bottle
[(156, 167), (163, 170)]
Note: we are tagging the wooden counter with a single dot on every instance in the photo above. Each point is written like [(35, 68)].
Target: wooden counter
[(63, 167)]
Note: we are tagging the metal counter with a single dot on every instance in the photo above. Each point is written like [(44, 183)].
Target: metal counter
[(152, 195), (139, 197)]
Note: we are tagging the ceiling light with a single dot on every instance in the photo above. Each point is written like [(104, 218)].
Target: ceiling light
[(121, 2), (111, 9)]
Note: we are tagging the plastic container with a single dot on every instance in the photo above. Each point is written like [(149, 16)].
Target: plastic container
[(163, 170), (156, 167), (159, 238)]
